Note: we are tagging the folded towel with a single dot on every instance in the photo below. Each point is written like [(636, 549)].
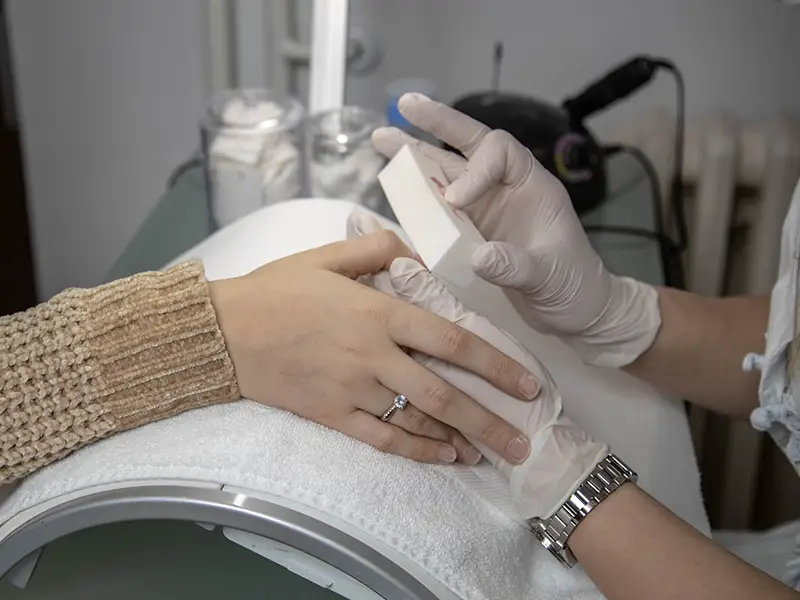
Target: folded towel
[(455, 523)]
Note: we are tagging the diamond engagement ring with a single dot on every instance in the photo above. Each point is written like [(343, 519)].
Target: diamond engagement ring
[(399, 403)]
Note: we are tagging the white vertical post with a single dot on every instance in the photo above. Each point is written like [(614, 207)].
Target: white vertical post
[(328, 55), (220, 45), (250, 42), (279, 73)]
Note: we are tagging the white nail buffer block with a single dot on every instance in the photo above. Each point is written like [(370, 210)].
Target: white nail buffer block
[(443, 236)]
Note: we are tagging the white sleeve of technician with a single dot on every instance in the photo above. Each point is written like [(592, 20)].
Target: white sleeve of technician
[(562, 454)]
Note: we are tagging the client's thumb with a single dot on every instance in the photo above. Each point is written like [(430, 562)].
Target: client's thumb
[(361, 222), (507, 266), (413, 283)]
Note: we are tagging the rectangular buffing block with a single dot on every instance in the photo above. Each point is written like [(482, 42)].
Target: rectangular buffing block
[(443, 236)]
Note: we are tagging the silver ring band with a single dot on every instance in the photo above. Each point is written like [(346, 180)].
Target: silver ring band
[(399, 403)]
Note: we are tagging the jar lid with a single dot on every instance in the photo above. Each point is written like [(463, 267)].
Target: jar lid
[(254, 110), (395, 89), (349, 125)]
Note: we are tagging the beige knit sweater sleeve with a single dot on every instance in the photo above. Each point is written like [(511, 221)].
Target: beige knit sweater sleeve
[(90, 363)]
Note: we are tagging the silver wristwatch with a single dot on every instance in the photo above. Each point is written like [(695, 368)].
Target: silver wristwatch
[(609, 474)]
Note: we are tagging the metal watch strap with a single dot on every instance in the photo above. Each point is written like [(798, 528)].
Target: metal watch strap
[(609, 474)]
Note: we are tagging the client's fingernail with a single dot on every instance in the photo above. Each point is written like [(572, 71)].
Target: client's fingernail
[(471, 456), (418, 258), (447, 454), (529, 386), (518, 449)]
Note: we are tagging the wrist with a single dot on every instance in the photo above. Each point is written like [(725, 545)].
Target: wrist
[(223, 295), (626, 327), (555, 533), (600, 521), (562, 457)]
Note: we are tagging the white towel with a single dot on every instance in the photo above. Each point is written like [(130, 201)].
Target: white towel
[(452, 522), (424, 512)]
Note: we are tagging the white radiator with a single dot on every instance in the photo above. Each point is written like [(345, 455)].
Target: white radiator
[(739, 179), (735, 173)]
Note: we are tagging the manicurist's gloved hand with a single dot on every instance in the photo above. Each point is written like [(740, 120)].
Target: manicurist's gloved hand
[(562, 454), (537, 248)]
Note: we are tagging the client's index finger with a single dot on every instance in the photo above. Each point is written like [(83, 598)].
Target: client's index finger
[(363, 255), (418, 329)]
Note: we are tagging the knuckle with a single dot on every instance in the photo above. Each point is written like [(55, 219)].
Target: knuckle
[(386, 440), (432, 119), (336, 419), (350, 347), (353, 348), (350, 374), (498, 367), (440, 398), (476, 140), (397, 317), (455, 340), (389, 243), (378, 313), (492, 430), (419, 450), (500, 136), (418, 421)]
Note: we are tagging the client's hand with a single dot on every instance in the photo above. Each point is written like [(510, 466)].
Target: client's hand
[(305, 337), (562, 454)]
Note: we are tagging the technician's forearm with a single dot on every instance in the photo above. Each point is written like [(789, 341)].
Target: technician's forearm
[(700, 346), (633, 548)]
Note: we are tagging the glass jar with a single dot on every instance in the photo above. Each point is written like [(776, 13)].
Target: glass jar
[(341, 162), (252, 148)]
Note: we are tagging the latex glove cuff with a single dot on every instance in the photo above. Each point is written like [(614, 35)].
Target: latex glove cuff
[(626, 329)]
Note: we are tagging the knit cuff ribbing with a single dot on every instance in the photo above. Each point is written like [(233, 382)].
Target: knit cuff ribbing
[(90, 363), (158, 347)]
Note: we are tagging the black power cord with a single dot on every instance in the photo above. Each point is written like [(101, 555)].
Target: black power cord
[(615, 85), (676, 200), (621, 82), (669, 251)]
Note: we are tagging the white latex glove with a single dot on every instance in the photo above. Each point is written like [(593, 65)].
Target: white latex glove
[(562, 454), (538, 250)]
